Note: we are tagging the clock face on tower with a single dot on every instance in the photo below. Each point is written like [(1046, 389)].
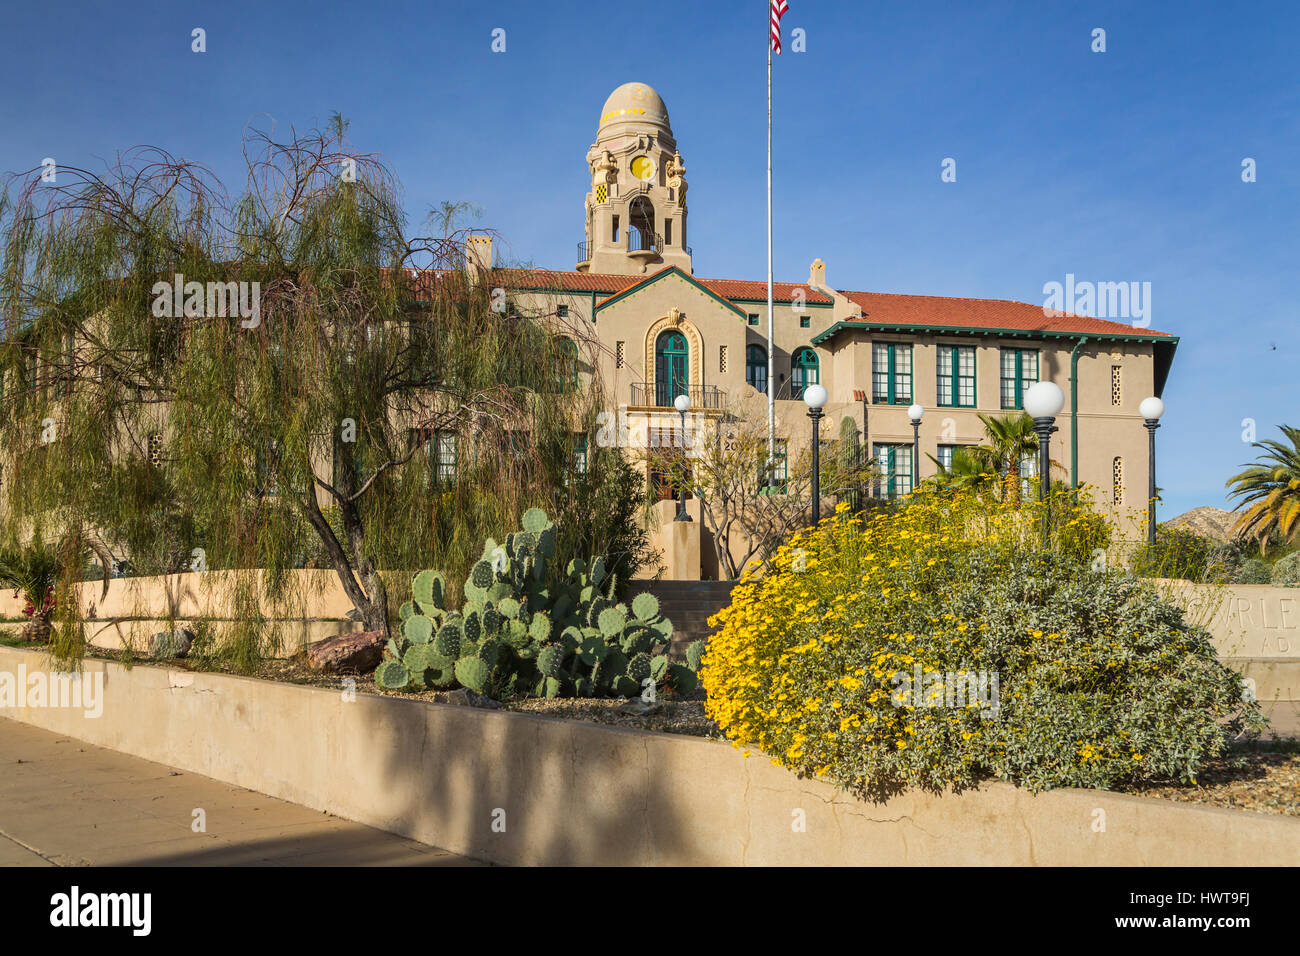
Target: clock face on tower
[(643, 168)]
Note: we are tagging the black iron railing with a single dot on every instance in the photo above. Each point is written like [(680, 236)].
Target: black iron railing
[(584, 251), (661, 395), (638, 241)]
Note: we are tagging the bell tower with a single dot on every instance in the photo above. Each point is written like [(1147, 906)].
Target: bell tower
[(636, 210)]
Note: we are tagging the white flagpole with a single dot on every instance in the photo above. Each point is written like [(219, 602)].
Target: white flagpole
[(771, 323)]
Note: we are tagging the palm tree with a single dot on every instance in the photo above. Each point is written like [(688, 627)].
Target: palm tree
[(1011, 439), (972, 468), (1271, 488)]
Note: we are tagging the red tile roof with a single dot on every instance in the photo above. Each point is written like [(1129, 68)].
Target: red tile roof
[(885, 308), (605, 282), (757, 289), (935, 310)]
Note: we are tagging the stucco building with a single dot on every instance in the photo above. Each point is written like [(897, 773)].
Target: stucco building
[(664, 330)]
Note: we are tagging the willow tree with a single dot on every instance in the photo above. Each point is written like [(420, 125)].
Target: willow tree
[(200, 380)]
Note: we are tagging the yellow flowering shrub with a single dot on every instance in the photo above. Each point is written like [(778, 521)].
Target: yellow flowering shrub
[(939, 644)]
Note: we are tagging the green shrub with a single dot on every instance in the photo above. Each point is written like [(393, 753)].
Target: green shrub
[(1223, 562), (1286, 571), (1084, 678), (1178, 553), (1254, 571)]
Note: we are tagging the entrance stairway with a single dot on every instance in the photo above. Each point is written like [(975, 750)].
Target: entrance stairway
[(688, 604)]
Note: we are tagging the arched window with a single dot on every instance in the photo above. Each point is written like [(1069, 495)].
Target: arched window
[(803, 371), (671, 363), (756, 367), (641, 219)]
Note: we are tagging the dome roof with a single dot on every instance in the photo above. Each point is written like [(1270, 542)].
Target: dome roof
[(634, 103)]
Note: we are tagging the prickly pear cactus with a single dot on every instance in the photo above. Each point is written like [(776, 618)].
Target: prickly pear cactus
[(521, 628)]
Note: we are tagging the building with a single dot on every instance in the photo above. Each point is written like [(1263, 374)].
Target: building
[(665, 331)]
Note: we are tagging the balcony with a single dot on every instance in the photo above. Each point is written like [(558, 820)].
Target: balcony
[(645, 245), (661, 395), (584, 256)]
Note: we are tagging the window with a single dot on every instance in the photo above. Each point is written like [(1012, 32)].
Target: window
[(616, 228), (780, 472), (565, 370), (439, 447), (956, 374), (944, 456), (1019, 371), (665, 488), (580, 454), (154, 449), (671, 375), (1116, 386), (668, 231), (804, 371), (805, 322), (756, 367), (63, 373), (620, 351), (563, 311), (895, 465), (722, 358), (891, 373), (753, 318), (444, 462), (1117, 482), (1028, 471)]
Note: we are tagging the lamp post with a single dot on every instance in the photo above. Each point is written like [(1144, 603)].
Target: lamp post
[(683, 405), (814, 397), (1043, 402), (916, 413), (1151, 410)]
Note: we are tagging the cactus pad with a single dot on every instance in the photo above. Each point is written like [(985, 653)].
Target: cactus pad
[(535, 520), (645, 606), (417, 629), (391, 675), (473, 673)]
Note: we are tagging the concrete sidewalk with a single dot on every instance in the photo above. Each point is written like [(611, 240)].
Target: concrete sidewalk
[(68, 803)]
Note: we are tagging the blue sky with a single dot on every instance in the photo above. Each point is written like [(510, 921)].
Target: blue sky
[(1115, 166)]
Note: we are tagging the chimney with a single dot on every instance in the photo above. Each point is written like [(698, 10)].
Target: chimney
[(817, 274), (478, 255)]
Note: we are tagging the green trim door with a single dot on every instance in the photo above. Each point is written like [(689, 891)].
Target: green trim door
[(672, 364)]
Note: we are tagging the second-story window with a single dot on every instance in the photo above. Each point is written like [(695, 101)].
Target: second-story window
[(956, 375), (891, 373), (1019, 371), (804, 371), (756, 368)]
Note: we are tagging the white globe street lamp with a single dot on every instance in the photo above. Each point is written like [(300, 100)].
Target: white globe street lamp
[(683, 405), (814, 397), (1151, 410), (1043, 402), (916, 413)]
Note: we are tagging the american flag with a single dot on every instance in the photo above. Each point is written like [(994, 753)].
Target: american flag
[(778, 11)]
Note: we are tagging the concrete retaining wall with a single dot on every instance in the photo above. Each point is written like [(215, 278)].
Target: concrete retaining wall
[(519, 789), (315, 607)]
